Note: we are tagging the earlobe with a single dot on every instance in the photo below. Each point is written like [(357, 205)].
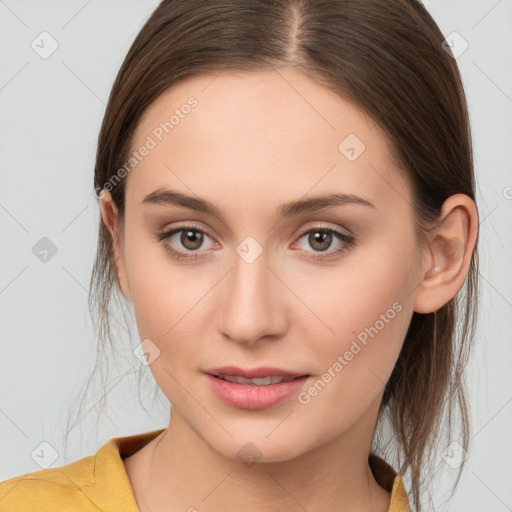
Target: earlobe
[(451, 245), (110, 217)]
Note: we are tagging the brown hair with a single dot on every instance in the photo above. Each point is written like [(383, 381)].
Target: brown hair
[(387, 58)]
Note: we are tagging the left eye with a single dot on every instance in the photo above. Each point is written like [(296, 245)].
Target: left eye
[(192, 239), (322, 238)]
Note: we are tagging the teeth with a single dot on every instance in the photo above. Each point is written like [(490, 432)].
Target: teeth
[(264, 381)]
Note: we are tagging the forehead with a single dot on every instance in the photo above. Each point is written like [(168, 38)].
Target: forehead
[(278, 133)]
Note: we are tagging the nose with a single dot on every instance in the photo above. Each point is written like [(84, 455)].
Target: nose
[(253, 302)]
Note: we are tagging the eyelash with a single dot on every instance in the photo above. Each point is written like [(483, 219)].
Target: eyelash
[(348, 240)]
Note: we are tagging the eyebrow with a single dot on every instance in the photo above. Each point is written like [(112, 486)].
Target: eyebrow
[(290, 209)]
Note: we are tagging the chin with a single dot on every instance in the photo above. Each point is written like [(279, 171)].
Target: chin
[(258, 448)]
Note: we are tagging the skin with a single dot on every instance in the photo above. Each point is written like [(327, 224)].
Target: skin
[(257, 140)]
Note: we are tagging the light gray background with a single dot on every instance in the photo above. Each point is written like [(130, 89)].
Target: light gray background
[(50, 114)]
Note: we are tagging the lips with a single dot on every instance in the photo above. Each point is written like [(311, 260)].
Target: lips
[(256, 394), (254, 373), (257, 381)]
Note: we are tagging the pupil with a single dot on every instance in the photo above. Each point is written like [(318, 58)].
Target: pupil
[(192, 237), (321, 236)]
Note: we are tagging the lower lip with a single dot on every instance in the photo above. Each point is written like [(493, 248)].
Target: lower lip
[(247, 396)]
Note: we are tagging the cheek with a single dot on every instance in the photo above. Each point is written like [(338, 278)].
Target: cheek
[(364, 309), (356, 359), (164, 295), (365, 327), (167, 308)]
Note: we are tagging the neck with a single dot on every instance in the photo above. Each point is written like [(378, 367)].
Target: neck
[(179, 469)]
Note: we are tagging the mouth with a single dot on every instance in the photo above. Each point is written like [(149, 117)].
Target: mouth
[(257, 389), (261, 376), (257, 381)]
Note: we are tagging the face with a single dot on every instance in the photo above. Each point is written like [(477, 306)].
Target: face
[(326, 292)]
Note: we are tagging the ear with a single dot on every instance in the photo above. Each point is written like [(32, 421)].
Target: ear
[(110, 217), (451, 245)]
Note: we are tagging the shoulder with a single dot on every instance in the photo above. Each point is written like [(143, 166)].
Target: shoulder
[(392, 482), (96, 482), (53, 489)]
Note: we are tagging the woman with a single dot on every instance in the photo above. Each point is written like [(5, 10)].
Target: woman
[(287, 200)]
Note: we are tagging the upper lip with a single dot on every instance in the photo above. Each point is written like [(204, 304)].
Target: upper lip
[(254, 373)]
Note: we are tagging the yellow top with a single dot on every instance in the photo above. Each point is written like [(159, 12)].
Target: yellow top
[(99, 482)]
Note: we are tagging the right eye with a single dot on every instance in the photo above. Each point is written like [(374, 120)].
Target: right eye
[(190, 237)]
